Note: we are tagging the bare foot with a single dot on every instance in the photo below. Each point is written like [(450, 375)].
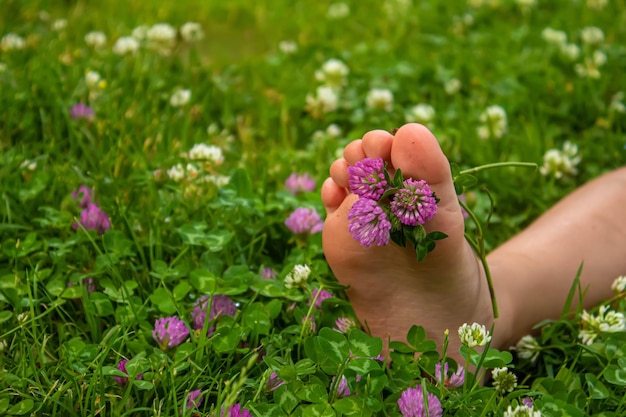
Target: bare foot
[(389, 290)]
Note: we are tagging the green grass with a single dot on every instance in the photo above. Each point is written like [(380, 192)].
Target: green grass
[(171, 242)]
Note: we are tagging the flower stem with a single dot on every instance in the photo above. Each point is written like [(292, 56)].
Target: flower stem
[(498, 165)]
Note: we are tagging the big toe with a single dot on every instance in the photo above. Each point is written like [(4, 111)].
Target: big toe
[(417, 153)]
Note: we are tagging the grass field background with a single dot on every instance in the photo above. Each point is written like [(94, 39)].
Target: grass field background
[(495, 83)]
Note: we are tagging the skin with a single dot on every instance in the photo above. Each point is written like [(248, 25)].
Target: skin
[(532, 272)]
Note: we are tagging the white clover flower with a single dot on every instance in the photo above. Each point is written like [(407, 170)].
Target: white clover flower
[(474, 335), (597, 4), (12, 42), (570, 51), (177, 172), (126, 45), (503, 380), (326, 100), (93, 80), (380, 99), (494, 121), (180, 97), (59, 25), (288, 47), (554, 37), (452, 86), (592, 35), (161, 33), (191, 32), (218, 180), (333, 73), (396, 8), (606, 321), (333, 130), (140, 32), (528, 348), (3, 345), (338, 11), (205, 152), (619, 285), (599, 58), (23, 317), (298, 276), (96, 39), (29, 165), (617, 106), (521, 411), (421, 113), (560, 162), (588, 69)]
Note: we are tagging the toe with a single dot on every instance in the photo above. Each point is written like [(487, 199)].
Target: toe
[(332, 195), (377, 144), (339, 172), (353, 152)]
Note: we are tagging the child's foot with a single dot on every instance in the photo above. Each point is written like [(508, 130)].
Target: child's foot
[(389, 290)]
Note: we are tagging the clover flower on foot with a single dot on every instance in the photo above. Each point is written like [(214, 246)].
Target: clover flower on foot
[(367, 178), (453, 381), (369, 224), (415, 203), (169, 332), (411, 403)]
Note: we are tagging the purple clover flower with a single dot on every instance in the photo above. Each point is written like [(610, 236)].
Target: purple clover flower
[(297, 183), (453, 381), (81, 111), (84, 196), (323, 295), (528, 402), (367, 178), (343, 390), (273, 382), (268, 273), (169, 332), (304, 221), (220, 304), (237, 411), (309, 323), (94, 218), (411, 403), (194, 400), (346, 324), (415, 203), (368, 223), (122, 380)]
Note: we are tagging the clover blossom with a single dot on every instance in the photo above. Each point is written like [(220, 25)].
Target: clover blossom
[(220, 305), (309, 324), (297, 183), (122, 380), (237, 411), (194, 400), (93, 218), (273, 382), (319, 296), (369, 224), (346, 324), (411, 403), (606, 321), (210, 153), (474, 335), (86, 196), (325, 100), (268, 273), (453, 381), (421, 113), (191, 32), (494, 121), (619, 285), (379, 99), (503, 380), (343, 390), (415, 203), (528, 348), (521, 411), (126, 45), (169, 332), (11, 42), (367, 178), (304, 221), (81, 111), (180, 97), (298, 276)]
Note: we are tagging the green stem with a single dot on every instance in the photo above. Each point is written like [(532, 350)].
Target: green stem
[(498, 165), (479, 248)]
